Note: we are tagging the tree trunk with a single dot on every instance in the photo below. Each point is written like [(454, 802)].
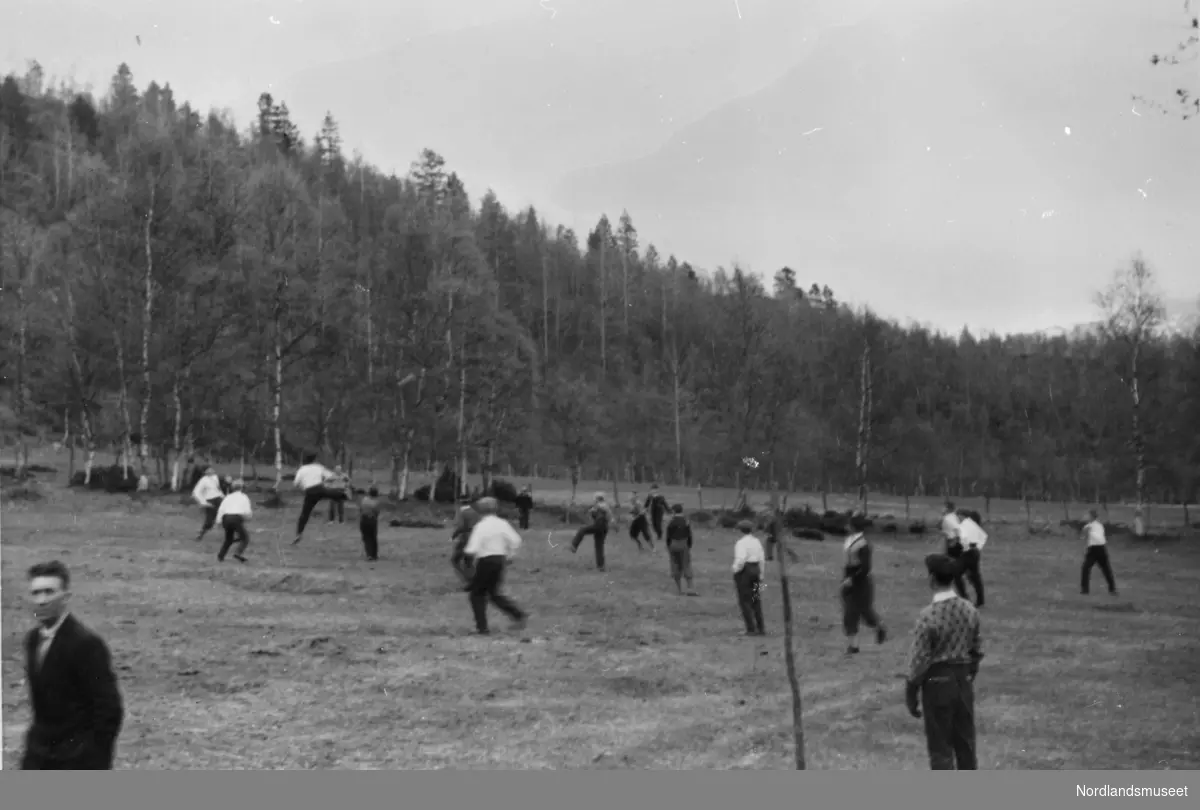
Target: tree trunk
[(126, 446), (603, 310), (678, 427), (1139, 444), (147, 325), (864, 427), (545, 314), (177, 400), (462, 420), (277, 405)]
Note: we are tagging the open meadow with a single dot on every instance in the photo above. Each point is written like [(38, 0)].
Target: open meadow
[(310, 657)]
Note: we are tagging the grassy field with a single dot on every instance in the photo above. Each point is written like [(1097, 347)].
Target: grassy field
[(309, 657)]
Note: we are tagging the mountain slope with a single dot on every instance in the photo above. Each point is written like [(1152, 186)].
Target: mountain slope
[(937, 171)]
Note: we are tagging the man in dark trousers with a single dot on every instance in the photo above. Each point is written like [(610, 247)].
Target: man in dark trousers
[(524, 505), (209, 493), (639, 525), (1097, 554), (952, 533), (776, 526), (679, 549), (463, 524), (312, 479), (858, 593), (492, 545), (339, 482), (368, 523), (602, 517), (232, 514), (748, 561), (656, 505), (945, 658), (77, 706)]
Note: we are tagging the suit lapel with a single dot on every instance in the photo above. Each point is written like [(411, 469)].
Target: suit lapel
[(66, 632)]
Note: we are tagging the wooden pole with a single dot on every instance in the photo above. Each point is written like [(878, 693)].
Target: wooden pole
[(789, 654)]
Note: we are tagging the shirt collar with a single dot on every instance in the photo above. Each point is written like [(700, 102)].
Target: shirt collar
[(48, 633), (942, 596)]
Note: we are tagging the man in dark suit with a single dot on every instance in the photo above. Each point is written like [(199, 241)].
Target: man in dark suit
[(77, 707)]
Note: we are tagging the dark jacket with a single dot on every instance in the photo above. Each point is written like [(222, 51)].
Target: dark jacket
[(679, 531), (524, 502), (77, 706)]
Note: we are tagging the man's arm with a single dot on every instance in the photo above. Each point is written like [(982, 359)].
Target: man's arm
[(688, 529), (473, 542), (100, 682), (918, 664), (739, 556), (976, 647)]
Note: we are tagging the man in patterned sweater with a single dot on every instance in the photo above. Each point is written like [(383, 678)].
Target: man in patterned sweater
[(945, 659), (858, 593)]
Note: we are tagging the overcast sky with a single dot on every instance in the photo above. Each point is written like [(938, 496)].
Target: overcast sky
[(958, 162)]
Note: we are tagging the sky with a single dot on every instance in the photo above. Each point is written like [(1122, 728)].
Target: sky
[(953, 162)]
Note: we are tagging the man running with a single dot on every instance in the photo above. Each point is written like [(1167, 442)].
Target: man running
[(656, 505), (1097, 554), (311, 478), (638, 524), (492, 544), (602, 516), (233, 513), (952, 533), (208, 494), (858, 593)]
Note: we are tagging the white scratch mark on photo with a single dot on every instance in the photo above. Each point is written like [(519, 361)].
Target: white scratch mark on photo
[(553, 11), (815, 129)]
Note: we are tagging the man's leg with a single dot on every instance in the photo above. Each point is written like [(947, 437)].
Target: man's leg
[(964, 725), (227, 525), (741, 583), (480, 587), (939, 697), (634, 532), (658, 526), (1085, 576), (685, 558), (676, 558), (458, 559), (243, 540), (500, 600), (756, 604), (850, 618), (311, 499), (1106, 569), (584, 531), (524, 518), (867, 610), (210, 517), (955, 553), (599, 537), (974, 576)]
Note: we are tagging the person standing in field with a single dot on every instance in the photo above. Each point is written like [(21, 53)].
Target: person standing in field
[(679, 550), (943, 664), (972, 538), (77, 707), (656, 505), (312, 478), (952, 533), (464, 524), (776, 527), (233, 513), (858, 593), (748, 561), (368, 523), (602, 517), (1097, 554), (209, 494), (638, 524), (524, 505), (492, 544), (339, 482)]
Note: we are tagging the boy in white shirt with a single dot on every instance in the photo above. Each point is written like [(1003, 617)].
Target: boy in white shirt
[(209, 495), (952, 532), (233, 513), (1097, 554), (748, 560), (312, 478), (493, 543)]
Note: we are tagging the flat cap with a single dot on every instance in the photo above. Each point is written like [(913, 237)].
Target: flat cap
[(745, 526), (941, 566)]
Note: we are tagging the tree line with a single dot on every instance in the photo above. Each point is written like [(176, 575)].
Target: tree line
[(173, 287)]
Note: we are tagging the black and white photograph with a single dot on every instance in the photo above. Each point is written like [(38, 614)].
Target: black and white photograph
[(600, 385)]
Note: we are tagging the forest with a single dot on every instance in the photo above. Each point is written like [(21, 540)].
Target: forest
[(173, 286)]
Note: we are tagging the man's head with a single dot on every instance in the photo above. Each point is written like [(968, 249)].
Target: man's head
[(310, 458), (1093, 514), (373, 492), (654, 487), (209, 471), (949, 507), (677, 509), (49, 590), (599, 497), (238, 485), (745, 527), (942, 571), (486, 506), (338, 469)]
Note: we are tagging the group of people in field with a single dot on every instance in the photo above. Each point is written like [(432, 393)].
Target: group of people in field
[(946, 650)]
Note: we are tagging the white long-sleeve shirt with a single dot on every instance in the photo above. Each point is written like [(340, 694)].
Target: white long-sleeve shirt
[(311, 475), (951, 526), (972, 534), (207, 488), (493, 537), (1094, 532), (748, 549), (235, 503)]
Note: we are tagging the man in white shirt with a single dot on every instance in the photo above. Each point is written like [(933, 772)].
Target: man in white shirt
[(492, 544), (1097, 554), (748, 560), (952, 532), (972, 538), (233, 513), (311, 478), (209, 495)]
